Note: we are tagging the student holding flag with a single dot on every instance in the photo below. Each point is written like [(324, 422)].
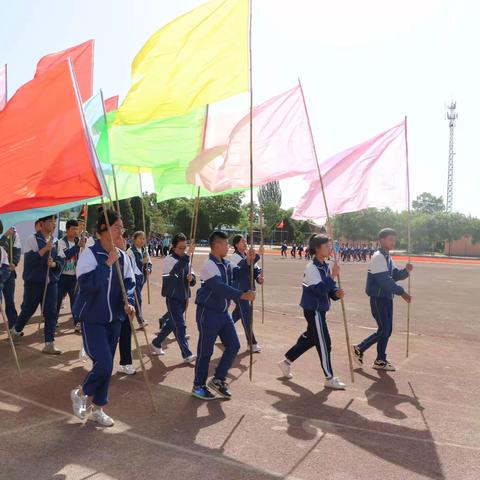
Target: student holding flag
[(42, 263), (382, 287), (12, 245), (101, 309), (69, 249), (242, 281), (139, 255)]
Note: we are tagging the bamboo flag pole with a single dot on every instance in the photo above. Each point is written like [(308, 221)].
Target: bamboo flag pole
[(344, 313), (409, 236), (263, 265), (126, 304), (145, 231), (252, 279)]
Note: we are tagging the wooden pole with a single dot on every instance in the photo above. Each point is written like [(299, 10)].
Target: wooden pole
[(10, 339), (126, 304), (329, 223), (409, 236), (252, 279), (262, 265), (45, 289), (145, 231)]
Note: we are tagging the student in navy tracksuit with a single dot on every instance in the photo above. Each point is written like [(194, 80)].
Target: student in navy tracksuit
[(5, 271), (177, 280), (319, 288), (12, 245), (37, 262), (243, 310), (214, 320), (138, 252), (100, 307), (381, 288), (69, 249)]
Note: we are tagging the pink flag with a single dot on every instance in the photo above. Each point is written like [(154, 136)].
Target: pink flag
[(3, 86), (372, 174), (111, 104), (82, 61), (282, 147)]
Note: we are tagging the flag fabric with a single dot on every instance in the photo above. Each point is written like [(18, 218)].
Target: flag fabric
[(45, 146), (111, 104), (82, 61), (372, 174), (281, 225), (3, 86), (282, 147), (199, 58), (169, 141)]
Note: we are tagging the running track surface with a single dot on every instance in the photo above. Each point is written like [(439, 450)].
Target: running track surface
[(421, 422)]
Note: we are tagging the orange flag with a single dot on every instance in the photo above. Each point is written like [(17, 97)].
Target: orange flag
[(111, 104), (82, 61), (44, 146)]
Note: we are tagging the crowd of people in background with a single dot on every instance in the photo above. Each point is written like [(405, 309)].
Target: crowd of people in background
[(347, 252)]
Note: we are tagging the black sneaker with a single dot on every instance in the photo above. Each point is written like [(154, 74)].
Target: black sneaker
[(357, 355), (203, 393), (220, 387)]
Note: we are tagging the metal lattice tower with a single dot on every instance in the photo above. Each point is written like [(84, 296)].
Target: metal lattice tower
[(451, 117)]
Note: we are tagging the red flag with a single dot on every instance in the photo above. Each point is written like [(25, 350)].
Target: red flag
[(83, 213), (281, 225), (82, 61), (111, 104), (44, 148), (3, 86)]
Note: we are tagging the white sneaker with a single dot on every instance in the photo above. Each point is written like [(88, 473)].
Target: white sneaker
[(334, 383), (157, 350), (379, 365), (190, 359), (83, 355), (99, 416), (78, 328), (285, 367), (127, 369), (16, 336), (79, 403), (256, 348), (187, 336)]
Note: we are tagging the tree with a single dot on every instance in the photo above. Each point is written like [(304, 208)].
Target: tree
[(127, 215), (270, 193), (222, 209), (428, 203), (138, 213)]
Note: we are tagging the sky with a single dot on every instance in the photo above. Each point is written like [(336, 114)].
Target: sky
[(363, 66)]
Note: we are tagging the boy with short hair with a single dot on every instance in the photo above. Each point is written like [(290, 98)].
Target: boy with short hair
[(41, 256), (213, 318), (69, 249), (381, 288)]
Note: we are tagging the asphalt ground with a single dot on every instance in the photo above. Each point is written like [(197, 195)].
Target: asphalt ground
[(422, 421)]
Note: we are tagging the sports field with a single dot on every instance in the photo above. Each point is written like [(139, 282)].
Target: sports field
[(422, 421)]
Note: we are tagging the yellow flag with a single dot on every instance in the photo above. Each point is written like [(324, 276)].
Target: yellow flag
[(197, 59)]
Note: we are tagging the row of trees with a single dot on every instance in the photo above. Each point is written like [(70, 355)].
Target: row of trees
[(431, 226)]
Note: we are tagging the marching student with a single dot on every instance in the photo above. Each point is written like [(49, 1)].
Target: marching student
[(177, 281), (138, 253), (10, 241), (83, 234), (5, 271), (69, 249), (300, 250), (319, 288), (381, 288), (293, 250), (283, 249), (100, 307), (214, 320), (41, 256), (242, 281)]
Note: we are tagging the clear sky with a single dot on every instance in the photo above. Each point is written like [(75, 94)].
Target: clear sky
[(363, 64)]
